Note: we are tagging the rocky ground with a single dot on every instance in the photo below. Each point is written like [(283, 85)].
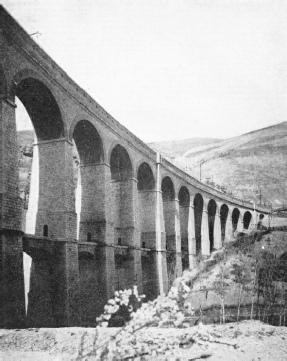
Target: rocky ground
[(248, 340)]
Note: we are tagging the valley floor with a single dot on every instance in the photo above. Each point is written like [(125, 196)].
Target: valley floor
[(248, 340)]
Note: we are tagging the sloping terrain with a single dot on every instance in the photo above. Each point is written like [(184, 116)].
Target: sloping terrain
[(173, 149), (251, 166), (235, 274)]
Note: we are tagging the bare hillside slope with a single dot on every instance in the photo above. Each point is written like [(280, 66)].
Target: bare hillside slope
[(252, 165)]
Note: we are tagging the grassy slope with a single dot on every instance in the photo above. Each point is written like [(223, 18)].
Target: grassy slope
[(242, 163), (203, 277), (173, 149)]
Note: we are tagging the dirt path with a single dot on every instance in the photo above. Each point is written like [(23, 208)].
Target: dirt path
[(249, 340)]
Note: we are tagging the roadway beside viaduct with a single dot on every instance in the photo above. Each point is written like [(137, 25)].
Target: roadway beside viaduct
[(142, 219)]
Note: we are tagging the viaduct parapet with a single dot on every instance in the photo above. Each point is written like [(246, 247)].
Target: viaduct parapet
[(143, 220)]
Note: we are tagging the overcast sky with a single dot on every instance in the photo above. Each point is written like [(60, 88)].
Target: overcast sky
[(170, 69)]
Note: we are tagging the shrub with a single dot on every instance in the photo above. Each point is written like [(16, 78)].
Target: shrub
[(126, 342)]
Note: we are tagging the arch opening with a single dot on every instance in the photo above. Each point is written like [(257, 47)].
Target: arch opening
[(27, 263), (28, 167), (121, 166), (247, 219), (88, 142), (145, 176), (198, 208), (184, 203), (122, 189), (42, 108), (169, 214), (28, 170), (167, 189), (223, 219), (211, 209), (183, 197), (235, 218), (88, 155)]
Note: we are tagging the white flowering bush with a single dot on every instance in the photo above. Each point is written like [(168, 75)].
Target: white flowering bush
[(127, 342)]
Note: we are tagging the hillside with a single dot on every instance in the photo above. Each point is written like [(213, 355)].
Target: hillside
[(246, 165), (175, 148), (237, 262)]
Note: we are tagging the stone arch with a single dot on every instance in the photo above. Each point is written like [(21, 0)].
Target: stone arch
[(224, 210), (89, 143), (42, 105), (235, 218), (167, 188), (184, 197), (169, 214), (184, 209), (247, 219), (146, 180), (90, 183), (211, 210), (147, 221), (198, 203), (121, 165), (124, 200), (84, 117)]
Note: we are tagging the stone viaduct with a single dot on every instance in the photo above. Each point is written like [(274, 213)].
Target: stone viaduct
[(142, 219)]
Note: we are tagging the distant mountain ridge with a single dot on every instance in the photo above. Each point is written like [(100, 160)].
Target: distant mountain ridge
[(251, 166)]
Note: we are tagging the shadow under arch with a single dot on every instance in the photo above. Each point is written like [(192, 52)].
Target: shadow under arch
[(147, 215), (184, 208), (41, 106), (89, 143), (169, 215), (146, 180), (126, 230), (235, 218), (224, 210), (89, 150), (198, 208), (167, 188), (211, 210), (121, 165), (247, 219)]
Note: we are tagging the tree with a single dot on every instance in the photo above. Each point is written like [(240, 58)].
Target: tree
[(242, 278), (220, 286)]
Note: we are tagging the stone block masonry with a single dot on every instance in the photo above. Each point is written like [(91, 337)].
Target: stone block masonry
[(12, 301)]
